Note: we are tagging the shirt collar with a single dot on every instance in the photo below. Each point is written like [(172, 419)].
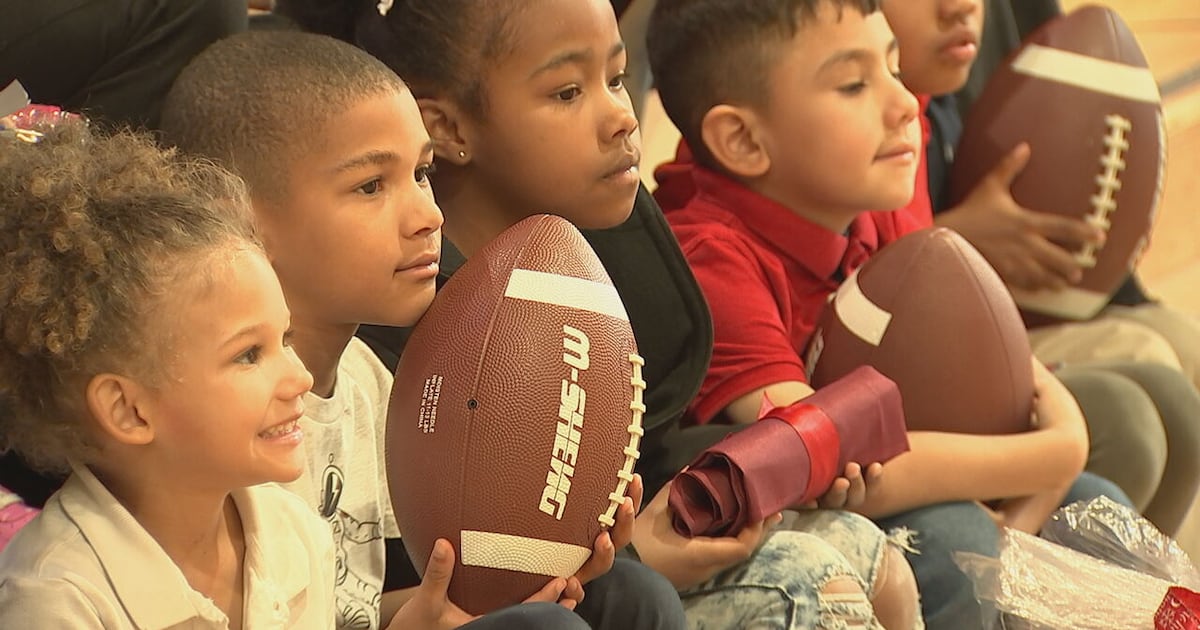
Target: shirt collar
[(151, 587), (814, 247), (276, 562)]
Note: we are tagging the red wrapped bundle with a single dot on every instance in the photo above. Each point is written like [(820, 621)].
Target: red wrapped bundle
[(791, 456)]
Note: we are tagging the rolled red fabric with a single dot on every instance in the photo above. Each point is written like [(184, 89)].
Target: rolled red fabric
[(791, 456)]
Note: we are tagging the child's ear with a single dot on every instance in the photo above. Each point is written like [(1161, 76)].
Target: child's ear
[(444, 122), (116, 405), (731, 135)]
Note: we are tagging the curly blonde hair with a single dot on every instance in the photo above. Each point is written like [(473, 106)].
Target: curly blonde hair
[(95, 231)]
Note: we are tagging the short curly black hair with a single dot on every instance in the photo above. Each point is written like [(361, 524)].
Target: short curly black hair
[(251, 101), (96, 233)]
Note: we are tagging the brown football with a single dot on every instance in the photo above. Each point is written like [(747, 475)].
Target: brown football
[(1079, 91), (928, 312), (515, 417)]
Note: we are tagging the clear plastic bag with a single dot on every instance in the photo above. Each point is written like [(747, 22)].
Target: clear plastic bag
[(1037, 584), (1110, 531)]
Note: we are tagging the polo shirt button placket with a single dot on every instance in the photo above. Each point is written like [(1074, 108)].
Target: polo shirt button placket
[(279, 614)]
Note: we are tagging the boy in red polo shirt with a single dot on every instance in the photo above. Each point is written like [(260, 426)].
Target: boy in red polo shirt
[(798, 133)]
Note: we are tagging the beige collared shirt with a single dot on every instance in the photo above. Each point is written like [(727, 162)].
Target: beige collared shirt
[(86, 563)]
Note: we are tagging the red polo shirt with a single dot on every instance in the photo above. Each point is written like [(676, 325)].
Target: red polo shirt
[(766, 273)]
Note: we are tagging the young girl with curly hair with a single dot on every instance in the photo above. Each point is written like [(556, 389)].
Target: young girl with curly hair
[(144, 348)]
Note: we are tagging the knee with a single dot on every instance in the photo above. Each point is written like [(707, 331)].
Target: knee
[(894, 593), (1128, 438), (942, 529), (844, 604), (1142, 344), (1090, 486), (937, 533), (536, 616), (1119, 409), (632, 595), (1178, 402), (1175, 397), (819, 586)]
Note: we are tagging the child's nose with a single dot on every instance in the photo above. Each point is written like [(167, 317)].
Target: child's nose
[(620, 121), (425, 218), (903, 109), (299, 380)]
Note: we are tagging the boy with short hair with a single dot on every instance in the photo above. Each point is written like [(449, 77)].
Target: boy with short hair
[(344, 251), (800, 129), (336, 158)]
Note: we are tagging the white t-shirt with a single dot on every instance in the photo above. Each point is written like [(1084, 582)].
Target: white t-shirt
[(85, 562), (345, 480)]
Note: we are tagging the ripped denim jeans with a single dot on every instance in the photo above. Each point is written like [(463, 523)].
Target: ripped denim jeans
[(780, 587)]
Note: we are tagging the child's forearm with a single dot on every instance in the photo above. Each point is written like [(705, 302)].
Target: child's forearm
[(960, 467)]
